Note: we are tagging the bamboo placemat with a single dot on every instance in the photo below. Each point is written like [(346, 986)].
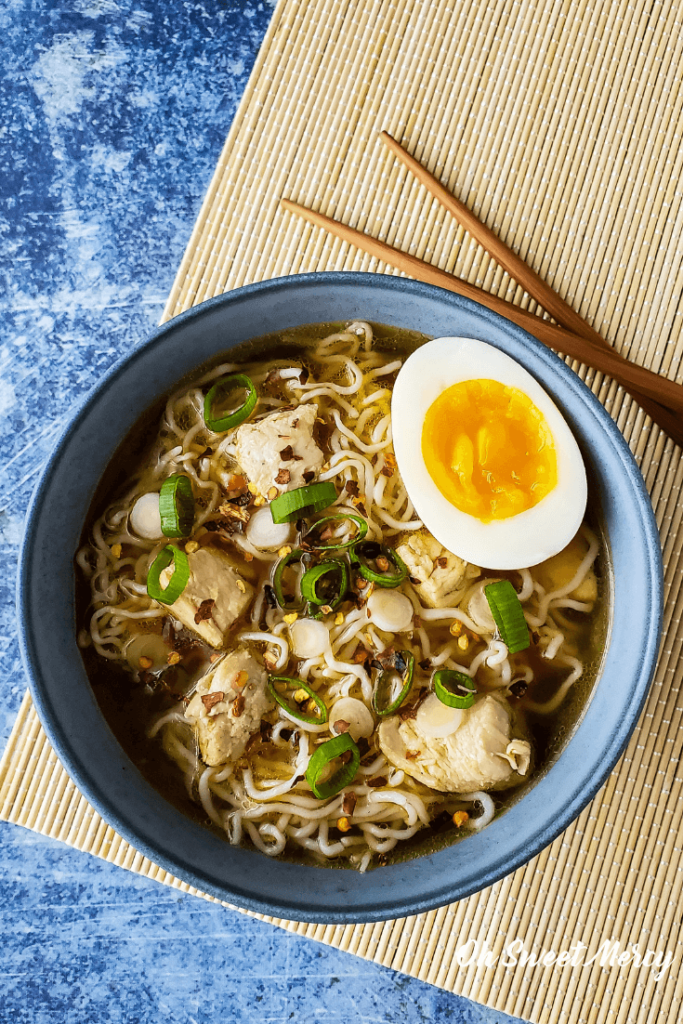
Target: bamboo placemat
[(560, 124)]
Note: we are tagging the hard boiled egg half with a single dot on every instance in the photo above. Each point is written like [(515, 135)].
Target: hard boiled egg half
[(487, 458)]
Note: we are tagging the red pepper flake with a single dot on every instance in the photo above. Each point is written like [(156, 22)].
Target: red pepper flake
[(386, 658), (237, 485), (349, 801), (205, 610), (411, 755), (410, 710), (360, 655), (441, 562), (407, 712), (340, 726), (254, 740), (265, 731), (287, 453), (379, 780), (389, 465), (283, 477), (238, 706), (233, 511), (209, 700), (351, 487)]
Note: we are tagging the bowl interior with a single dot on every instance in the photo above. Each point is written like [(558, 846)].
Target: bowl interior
[(97, 762)]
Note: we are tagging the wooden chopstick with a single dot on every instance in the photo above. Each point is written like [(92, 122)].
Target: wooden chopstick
[(508, 260), (524, 275), (634, 379)]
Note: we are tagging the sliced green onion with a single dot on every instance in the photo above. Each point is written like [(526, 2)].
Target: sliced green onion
[(177, 582), (176, 506), (292, 709), (508, 615), (297, 603), (365, 553), (221, 389), (320, 761), (454, 689), (302, 502), (335, 545), (382, 702), (333, 589)]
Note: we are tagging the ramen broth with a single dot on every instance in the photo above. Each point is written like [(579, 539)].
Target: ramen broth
[(145, 664)]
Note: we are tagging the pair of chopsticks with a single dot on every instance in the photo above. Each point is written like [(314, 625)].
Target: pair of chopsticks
[(661, 398)]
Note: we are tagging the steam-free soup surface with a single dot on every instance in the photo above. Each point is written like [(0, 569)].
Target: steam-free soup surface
[(289, 684)]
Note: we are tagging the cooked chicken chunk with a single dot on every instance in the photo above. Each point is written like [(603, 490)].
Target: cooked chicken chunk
[(442, 575), (480, 754), (212, 578), (557, 572), (234, 701), (279, 450)]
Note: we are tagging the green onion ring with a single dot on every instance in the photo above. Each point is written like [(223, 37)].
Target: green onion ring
[(302, 502), (311, 578), (177, 582), (295, 555), (388, 709), (359, 561), (322, 756), (361, 531), (220, 389), (176, 506), (298, 684), (508, 615), (454, 689)]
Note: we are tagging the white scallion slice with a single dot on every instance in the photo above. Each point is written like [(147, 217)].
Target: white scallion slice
[(266, 535), (478, 607), (390, 611), (436, 720), (309, 638), (357, 716), (145, 518)]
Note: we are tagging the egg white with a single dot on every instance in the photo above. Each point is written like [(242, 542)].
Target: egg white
[(522, 540)]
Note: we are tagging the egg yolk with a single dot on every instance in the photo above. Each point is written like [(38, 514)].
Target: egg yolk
[(489, 449)]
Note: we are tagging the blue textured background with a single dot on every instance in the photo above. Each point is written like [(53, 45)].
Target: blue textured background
[(113, 114)]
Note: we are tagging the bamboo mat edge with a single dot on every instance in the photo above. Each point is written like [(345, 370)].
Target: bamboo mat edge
[(416, 69)]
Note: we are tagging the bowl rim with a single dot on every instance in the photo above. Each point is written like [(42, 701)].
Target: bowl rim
[(499, 863)]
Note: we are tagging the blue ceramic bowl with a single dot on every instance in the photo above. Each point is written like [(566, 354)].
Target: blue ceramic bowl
[(92, 755)]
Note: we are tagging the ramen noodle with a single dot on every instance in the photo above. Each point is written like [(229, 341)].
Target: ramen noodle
[(327, 679)]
